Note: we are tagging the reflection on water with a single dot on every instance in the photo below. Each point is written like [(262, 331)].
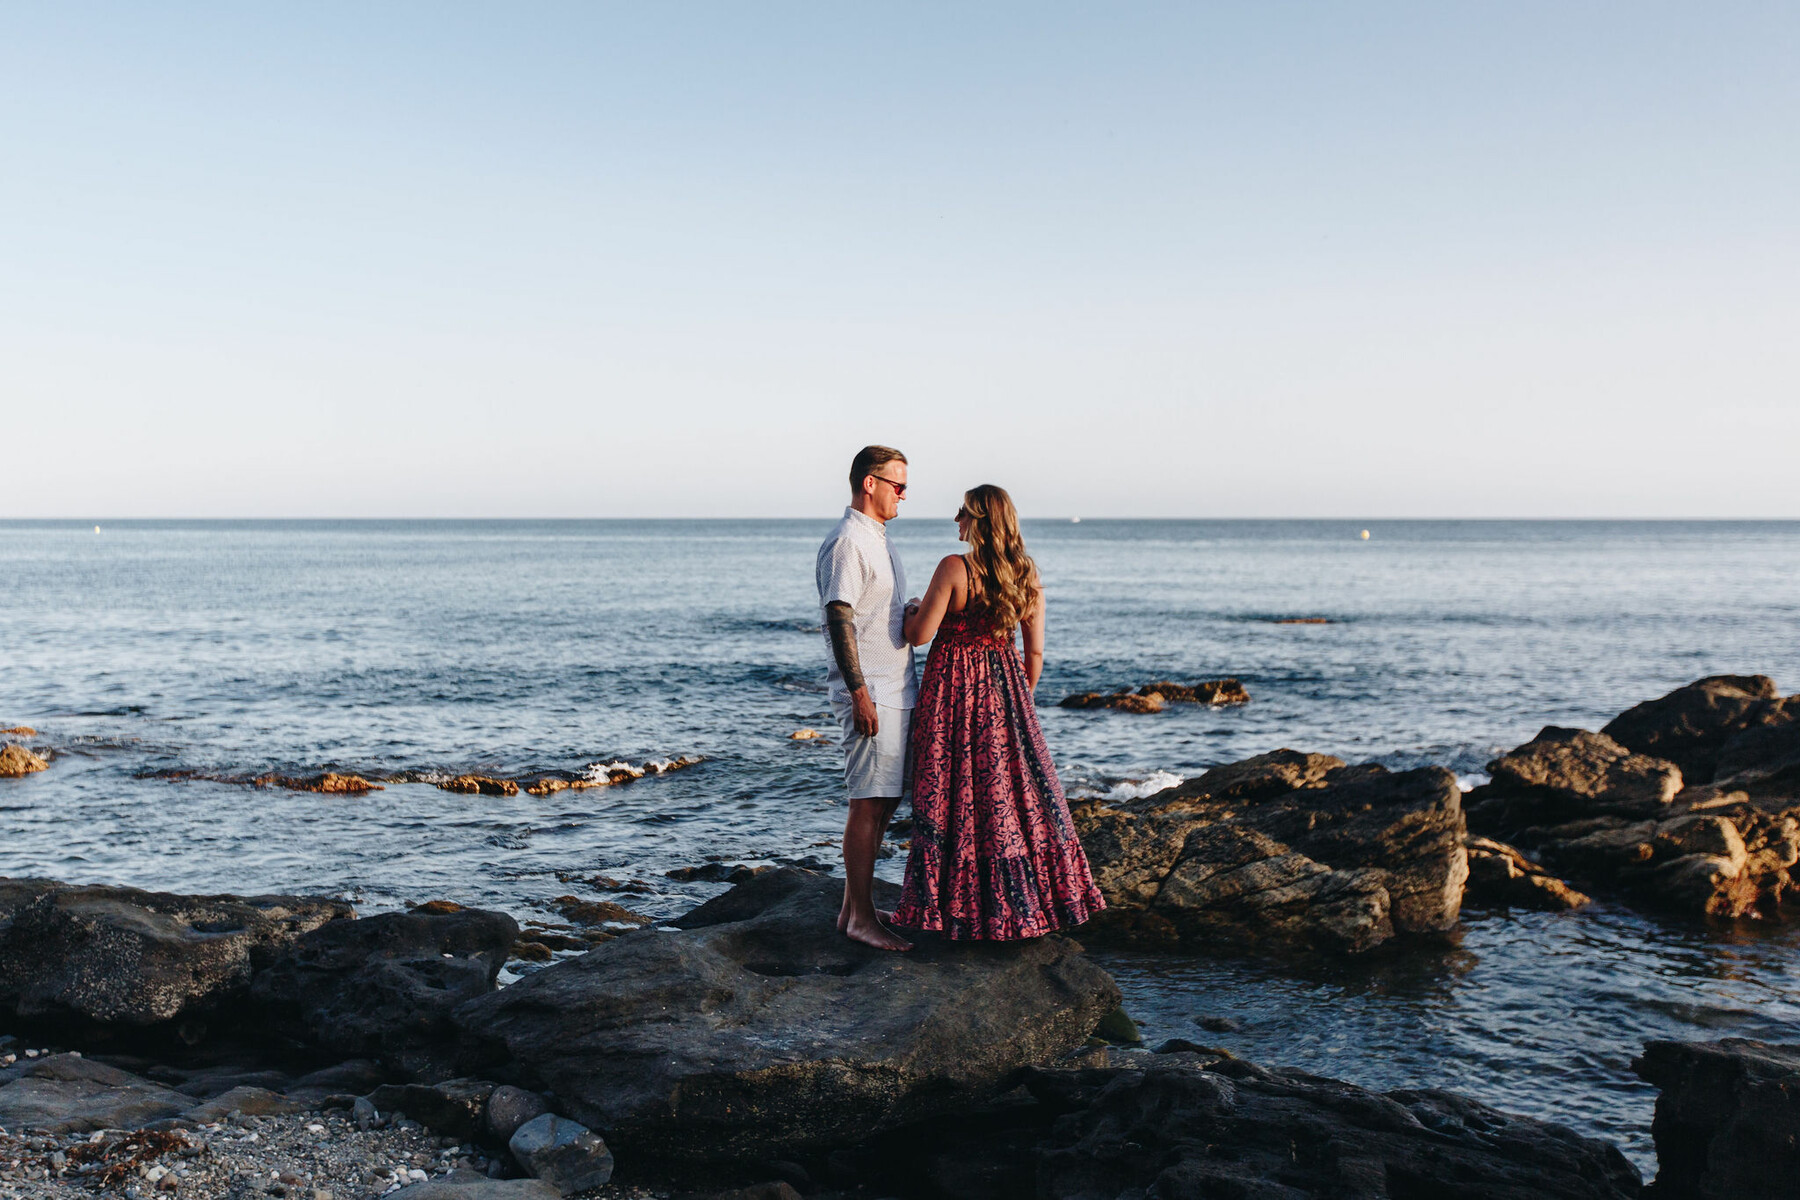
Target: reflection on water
[(1536, 1013)]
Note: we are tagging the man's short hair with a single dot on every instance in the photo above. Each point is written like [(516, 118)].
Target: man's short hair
[(869, 460)]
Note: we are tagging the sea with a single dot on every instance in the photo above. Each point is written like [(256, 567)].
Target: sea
[(151, 655)]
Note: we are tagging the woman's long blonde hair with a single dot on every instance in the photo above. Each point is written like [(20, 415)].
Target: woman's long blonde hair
[(1002, 577)]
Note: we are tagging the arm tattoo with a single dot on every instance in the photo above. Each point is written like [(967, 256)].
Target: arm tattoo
[(843, 643)]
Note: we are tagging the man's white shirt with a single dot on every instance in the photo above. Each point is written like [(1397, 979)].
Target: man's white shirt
[(859, 566)]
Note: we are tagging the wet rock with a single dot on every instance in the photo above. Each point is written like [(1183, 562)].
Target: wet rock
[(717, 873), (485, 785), (1503, 877), (1691, 725), (1293, 846), (526, 951), (20, 731), (753, 1029), (562, 1153), (1129, 702), (65, 1093), (1728, 1120), (1212, 691), (1234, 1129), (383, 987), (806, 735), (16, 760), (597, 912), (509, 1107), (120, 956)]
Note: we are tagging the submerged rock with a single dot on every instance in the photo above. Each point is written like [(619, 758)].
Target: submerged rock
[(1153, 697), (1298, 847), (485, 785), (16, 760), (120, 956), (754, 1029), (1728, 1119), (383, 987)]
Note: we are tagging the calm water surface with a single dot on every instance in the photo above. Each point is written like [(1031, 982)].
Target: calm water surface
[(513, 647)]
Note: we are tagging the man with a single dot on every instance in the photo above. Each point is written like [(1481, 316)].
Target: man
[(872, 680)]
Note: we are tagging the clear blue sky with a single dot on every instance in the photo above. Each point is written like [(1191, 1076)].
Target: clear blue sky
[(1262, 259)]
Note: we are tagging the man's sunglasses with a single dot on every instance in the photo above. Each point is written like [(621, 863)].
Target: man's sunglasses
[(899, 488)]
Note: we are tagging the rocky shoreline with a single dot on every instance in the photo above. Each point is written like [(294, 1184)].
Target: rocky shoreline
[(155, 1044)]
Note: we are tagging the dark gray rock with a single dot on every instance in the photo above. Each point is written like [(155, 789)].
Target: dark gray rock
[(755, 1029), (354, 1077), (1692, 724), (384, 987), (65, 1093), (124, 957), (467, 1185), (455, 1107), (509, 1107), (1234, 1129), (1291, 847), (569, 1156), (1728, 1120)]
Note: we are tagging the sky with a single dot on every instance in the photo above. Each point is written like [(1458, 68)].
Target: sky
[(1263, 259)]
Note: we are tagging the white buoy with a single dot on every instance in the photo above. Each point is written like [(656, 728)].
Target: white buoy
[(1074, 520), (96, 529), (1365, 535)]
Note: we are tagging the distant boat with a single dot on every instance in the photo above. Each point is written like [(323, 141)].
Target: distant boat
[(1074, 520)]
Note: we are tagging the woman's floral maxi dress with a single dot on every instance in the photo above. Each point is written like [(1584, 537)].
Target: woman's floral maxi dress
[(994, 852)]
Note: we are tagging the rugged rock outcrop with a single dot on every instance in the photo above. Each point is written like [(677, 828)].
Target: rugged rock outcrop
[(754, 1030), (1284, 845), (1692, 725), (1728, 1119), (16, 760), (1601, 809), (1234, 1129), (383, 987), (1501, 876), (120, 956)]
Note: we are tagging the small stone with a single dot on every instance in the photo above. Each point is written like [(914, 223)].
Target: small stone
[(562, 1153), (364, 1114), (509, 1107)]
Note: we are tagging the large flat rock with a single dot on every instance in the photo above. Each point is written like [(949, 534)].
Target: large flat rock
[(124, 957), (66, 1093), (755, 1030)]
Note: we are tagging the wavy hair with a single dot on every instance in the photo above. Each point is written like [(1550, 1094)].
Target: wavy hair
[(1002, 577)]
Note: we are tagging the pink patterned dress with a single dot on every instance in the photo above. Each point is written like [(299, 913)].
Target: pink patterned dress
[(994, 853)]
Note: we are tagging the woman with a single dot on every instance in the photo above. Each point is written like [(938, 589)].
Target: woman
[(994, 853)]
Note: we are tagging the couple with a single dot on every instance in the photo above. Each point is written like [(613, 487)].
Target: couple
[(994, 853)]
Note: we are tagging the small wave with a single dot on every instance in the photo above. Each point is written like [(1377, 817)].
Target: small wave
[(1473, 780), (1126, 789)]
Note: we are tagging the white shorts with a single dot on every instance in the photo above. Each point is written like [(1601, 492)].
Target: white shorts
[(876, 767)]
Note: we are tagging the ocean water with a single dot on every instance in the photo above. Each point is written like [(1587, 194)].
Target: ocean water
[(517, 647)]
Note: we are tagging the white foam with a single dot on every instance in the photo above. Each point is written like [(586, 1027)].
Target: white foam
[(1137, 789), (1470, 782)]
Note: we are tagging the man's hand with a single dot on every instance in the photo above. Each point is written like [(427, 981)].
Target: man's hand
[(862, 712)]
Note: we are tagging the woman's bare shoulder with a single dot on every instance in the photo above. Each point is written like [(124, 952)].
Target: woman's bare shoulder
[(952, 566)]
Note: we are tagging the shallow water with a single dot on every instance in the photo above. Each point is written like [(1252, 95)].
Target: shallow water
[(515, 647)]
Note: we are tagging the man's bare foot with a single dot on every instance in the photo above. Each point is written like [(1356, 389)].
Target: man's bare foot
[(876, 935), (881, 914)]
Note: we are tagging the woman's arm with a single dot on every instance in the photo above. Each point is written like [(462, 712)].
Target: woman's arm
[(923, 624), (1031, 630)]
